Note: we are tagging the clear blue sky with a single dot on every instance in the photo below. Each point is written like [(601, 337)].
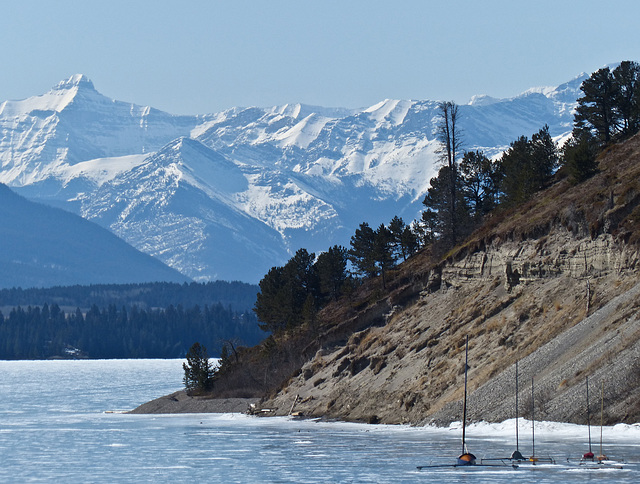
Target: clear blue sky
[(202, 56)]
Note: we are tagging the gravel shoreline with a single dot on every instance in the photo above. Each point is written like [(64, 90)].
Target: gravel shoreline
[(180, 402)]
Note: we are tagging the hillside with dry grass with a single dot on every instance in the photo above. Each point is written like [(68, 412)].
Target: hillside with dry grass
[(552, 284)]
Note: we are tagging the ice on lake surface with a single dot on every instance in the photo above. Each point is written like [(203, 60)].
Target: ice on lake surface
[(56, 424)]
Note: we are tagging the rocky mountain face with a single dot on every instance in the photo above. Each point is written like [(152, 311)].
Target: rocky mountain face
[(553, 285), (229, 195)]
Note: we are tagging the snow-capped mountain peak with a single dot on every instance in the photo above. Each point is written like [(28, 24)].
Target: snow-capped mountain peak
[(202, 167), (56, 99), (53, 101), (73, 123), (482, 100), (76, 81), (298, 111), (389, 111)]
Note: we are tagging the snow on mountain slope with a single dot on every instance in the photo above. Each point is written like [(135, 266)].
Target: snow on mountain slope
[(389, 112), (98, 171), (303, 132), (73, 123), (363, 144), (230, 194), (178, 205)]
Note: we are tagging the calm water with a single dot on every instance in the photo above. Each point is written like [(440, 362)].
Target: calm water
[(56, 424)]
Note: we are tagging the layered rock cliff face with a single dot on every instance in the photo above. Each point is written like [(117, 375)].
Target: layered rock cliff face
[(513, 300), (554, 286)]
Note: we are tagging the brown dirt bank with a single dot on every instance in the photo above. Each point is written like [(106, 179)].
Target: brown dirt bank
[(180, 402)]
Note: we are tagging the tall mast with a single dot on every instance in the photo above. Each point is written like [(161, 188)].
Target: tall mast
[(601, 414), (517, 442), (464, 403), (533, 422), (588, 416)]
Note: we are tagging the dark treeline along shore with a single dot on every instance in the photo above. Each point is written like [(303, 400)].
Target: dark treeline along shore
[(238, 295), (153, 320)]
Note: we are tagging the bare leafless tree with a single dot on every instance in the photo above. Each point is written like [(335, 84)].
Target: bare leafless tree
[(450, 137)]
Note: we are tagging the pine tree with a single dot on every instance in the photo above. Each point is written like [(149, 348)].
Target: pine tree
[(579, 157), (270, 307), (198, 371), (396, 228), (362, 252), (544, 156), (479, 183), (410, 243), (331, 267), (527, 166), (383, 251), (284, 290), (404, 240), (627, 86), (445, 227), (426, 228), (302, 276), (596, 111)]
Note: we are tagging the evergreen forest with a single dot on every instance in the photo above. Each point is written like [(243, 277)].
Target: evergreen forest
[(158, 320), (238, 295)]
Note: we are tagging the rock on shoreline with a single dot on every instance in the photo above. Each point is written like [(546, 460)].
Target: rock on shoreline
[(180, 402)]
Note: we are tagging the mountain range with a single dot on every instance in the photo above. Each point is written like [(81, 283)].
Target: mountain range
[(229, 195)]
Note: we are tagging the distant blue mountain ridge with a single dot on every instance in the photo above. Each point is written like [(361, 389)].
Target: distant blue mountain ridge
[(41, 246)]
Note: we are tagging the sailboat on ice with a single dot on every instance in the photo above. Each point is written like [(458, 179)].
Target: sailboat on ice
[(588, 456), (535, 459), (516, 456), (589, 459), (466, 459)]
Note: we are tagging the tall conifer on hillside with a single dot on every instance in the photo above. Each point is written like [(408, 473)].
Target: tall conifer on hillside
[(627, 86), (596, 111), (440, 224), (284, 291), (579, 155), (384, 251), (479, 183), (332, 271), (362, 252), (527, 166), (609, 110)]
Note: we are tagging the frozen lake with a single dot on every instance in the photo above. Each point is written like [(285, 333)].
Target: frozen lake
[(56, 424)]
